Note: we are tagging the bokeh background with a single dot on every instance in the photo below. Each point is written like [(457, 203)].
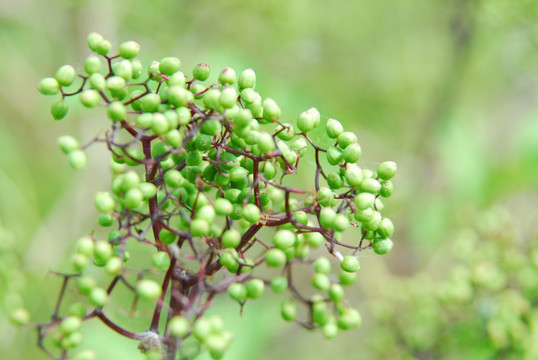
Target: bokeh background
[(446, 88)]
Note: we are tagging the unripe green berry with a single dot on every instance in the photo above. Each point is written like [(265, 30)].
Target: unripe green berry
[(305, 122), (340, 223), (70, 324), (179, 96), (347, 278), (374, 222), (115, 83), (65, 75), (314, 239), (77, 159), (370, 185), (334, 128), (169, 65), (386, 228), (19, 316), (364, 200), (284, 239), (123, 69), (346, 138), (104, 202), (336, 292), (67, 144), (352, 153), (92, 64), (334, 155), (85, 355), (255, 288), (201, 72), (247, 79), (251, 213), (133, 198), (237, 292), (159, 124), (178, 326), (223, 206), (173, 178), (129, 49), (113, 266), (98, 297), (279, 284), (387, 170), (89, 98), (97, 81), (228, 97), (382, 246), (148, 289), (167, 237), (353, 176), (85, 284), (105, 220), (227, 76), (116, 111), (271, 111), (201, 329), (288, 310), (199, 227), (321, 282), (329, 330), (326, 217), (49, 86), (80, 262), (387, 188), (322, 265), (231, 238), (349, 319), (350, 264), (85, 246), (275, 257), (102, 251), (334, 180)]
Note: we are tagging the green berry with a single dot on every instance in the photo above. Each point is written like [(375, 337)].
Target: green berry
[(123, 69), (113, 266), (67, 144), (159, 124), (374, 222), (352, 153), (227, 76), (305, 122), (65, 75), (169, 65), (334, 180), (275, 257), (382, 246), (284, 239), (49, 86), (334, 128), (251, 213), (364, 200), (80, 261), (173, 178), (237, 292), (329, 330), (334, 155), (247, 79), (370, 185), (92, 64), (98, 297), (387, 170), (167, 237), (314, 239), (288, 310), (353, 175), (19, 317), (322, 265), (387, 188), (104, 202), (321, 282), (70, 324), (279, 284), (129, 49), (102, 251), (77, 159), (386, 228), (231, 238), (223, 206), (179, 96), (199, 227), (85, 284), (85, 246), (178, 326), (148, 289), (326, 217), (89, 98), (133, 198), (77, 309), (201, 72), (105, 220), (85, 355), (116, 111), (97, 81), (255, 288), (340, 223), (350, 264), (115, 83), (349, 319), (336, 292), (271, 111), (228, 97), (347, 278)]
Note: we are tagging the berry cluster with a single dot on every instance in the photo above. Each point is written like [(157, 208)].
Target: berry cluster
[(199, 170)]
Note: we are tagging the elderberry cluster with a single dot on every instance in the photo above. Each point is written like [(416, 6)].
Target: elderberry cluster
[(199, 170)]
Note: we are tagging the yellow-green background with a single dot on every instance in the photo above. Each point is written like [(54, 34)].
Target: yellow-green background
[(446, 88)]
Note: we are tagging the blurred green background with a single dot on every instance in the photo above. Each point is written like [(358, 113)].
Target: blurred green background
[(447, 89)]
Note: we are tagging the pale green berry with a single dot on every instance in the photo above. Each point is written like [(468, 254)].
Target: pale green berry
[(228, 97), (205, 212), (231, 238), (19, 316), (350, 264), (279, 284), (364, 200), (116, 111), (77, 159), (271, 111), (334, 128), (335, 181), (151, 102), (169, 65), (178, 326), (67, 143), (305, 122), (326, 217), (89, 98), (288, 310), (347, 278), (223, 206), (387, 170), (336, 292), (80, 262), (387, 188), (201, 72), (65, 75), (370, 185), (137, 68), (176, 79), (321, 282), (340, 223), (133, 198), (199, 227), (148, 289), (49, 86), (382, 246), (92, 64), (113, 266), (227, 76), (353, 176), (115, 83), (97, 81), (284, 239), (275, 257), (322, 265), (102, 251), (251, 213), (159, 124), (174, 138), (352, 153), (247, 79), (386, 228), (59, 109), (179, 96), (255, 288), (124, 69), (70, 324), (285, 132), (103, 47), (346, 138), (98, 297), (129, 49), (237, 292), (85, 246), (334, 155), (104, 202), (211, 99), (85, 284)]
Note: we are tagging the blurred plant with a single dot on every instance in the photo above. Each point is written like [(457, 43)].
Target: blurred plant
[(196, 179), (485, 308)]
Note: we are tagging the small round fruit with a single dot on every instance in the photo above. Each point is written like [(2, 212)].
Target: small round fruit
[(77, 159), (321, 282), (223, 206), (227, 76), (255, 288), (288, 310), (65, 75), (148, 289), (275, 257), (19, 317), (178, 326), (161, 260), (98, 297), (334, 128), (231, 238), (70, 324), (350, 264), (386, 170), (279, 284), (104, 202), (284, 239), (67, 144), (129, 49), (89, 98), (49, 86), (201, 72), (237, 292), (382, 246), (169, 65)]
